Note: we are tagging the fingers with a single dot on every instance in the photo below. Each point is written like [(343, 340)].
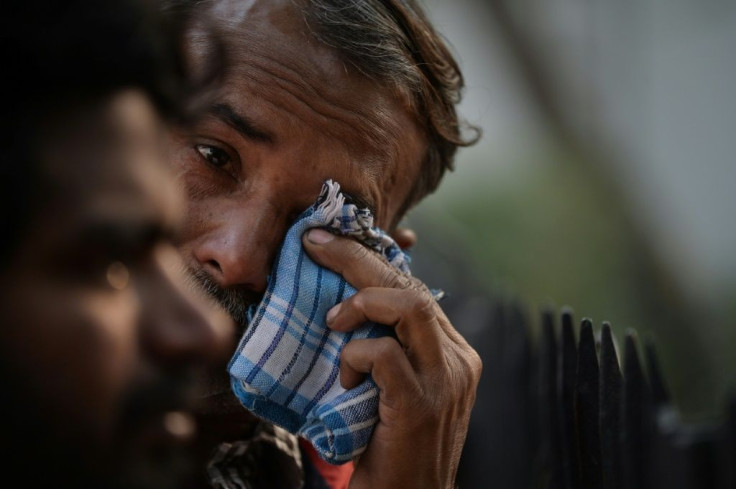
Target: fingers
[(413, 314), (360, 266), (364, 268), (384, 359), (427, 375)]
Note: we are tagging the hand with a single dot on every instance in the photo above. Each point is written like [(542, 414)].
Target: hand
[(427, 375)]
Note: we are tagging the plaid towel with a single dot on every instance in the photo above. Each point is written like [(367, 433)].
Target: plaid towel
[(286, 366)]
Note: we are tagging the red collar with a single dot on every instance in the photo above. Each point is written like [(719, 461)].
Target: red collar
[(336, 476)]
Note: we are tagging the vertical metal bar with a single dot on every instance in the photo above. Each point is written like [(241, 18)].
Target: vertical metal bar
[(484, 450), (660, 392), (727, 456), (731, 443), (549, 465), (516, 368), (611, 385), (568, 375), (670, 460), (702, 453), (635, 453), (586, 408)]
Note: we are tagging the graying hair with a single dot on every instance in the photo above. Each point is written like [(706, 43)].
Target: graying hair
[(392, 41)]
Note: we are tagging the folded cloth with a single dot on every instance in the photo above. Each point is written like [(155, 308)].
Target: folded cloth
[(286, 366)]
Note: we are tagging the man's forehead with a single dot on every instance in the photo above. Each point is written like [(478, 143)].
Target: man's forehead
[(271, 41), (313, 86), (236, 12), (277, 30)]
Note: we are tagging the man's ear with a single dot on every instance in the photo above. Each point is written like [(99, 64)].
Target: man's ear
[(404, 237)]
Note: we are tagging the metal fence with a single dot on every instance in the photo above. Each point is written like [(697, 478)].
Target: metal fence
[(568, 408)]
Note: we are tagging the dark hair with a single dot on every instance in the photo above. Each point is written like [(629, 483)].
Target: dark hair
[(393, 41), (58, 55)]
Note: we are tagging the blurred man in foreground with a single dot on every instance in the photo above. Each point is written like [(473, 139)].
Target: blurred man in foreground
[(362, 92), (98, 339)]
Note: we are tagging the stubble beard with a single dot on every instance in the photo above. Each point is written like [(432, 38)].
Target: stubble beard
[(235, 301), (217, 397)]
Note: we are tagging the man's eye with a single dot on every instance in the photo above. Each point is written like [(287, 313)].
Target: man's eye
[(214, 156)]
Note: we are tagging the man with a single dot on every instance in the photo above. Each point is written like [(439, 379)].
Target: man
[(99, 339), (362, 92)]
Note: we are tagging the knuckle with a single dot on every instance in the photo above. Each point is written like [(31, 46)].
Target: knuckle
[(387, 348), (360, 302), (356, 302), (477, 364), (475, 368), (470, 386), (463, 371), (421, 305), (347, 350)]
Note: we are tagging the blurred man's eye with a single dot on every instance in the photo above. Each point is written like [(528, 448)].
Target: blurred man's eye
[(108, 254), (213, 155), (117, 275), (111, 267), (93, 268)]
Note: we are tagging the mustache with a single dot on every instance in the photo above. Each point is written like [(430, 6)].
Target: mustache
[(235, 301)]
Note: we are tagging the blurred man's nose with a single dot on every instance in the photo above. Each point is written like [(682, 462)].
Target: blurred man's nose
[(239, 248), (179, 326)]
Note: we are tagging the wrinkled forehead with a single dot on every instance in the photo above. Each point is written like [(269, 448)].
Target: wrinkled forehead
[(269, 42), (255, 25)]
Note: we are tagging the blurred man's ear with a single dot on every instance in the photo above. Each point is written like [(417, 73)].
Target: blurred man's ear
[(404, 237)]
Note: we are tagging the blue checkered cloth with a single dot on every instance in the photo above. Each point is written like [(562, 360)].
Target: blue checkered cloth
[(286, 367)]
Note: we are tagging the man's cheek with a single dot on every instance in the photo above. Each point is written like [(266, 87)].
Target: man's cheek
[(199, 184)]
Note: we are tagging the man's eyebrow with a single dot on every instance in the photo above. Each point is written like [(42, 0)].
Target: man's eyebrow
[(240, 123)]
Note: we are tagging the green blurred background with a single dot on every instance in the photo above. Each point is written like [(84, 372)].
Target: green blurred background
[(605, 176)]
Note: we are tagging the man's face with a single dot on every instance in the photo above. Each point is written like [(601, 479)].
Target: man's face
[(98, 334), (289, 116)]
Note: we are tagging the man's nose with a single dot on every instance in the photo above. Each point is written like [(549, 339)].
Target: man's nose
[(180, 327), (239, 248)]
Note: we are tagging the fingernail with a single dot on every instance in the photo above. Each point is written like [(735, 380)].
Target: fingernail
[(332, 313), (320, 236)]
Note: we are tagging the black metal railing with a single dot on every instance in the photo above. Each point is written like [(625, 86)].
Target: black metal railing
[(555, 411)]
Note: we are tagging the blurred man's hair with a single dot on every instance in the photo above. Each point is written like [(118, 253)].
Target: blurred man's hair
[(60, 55)]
